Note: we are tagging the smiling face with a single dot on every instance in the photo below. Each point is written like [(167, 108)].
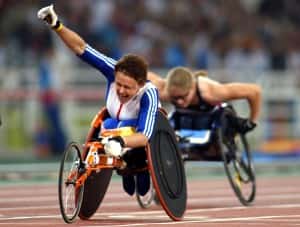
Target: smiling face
[(130, 76), (126, 87)]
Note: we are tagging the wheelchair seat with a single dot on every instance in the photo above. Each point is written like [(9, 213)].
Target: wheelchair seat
[(196, 135), (191, 119)]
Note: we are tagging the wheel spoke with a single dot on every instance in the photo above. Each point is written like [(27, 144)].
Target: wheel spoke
[(70, 196)]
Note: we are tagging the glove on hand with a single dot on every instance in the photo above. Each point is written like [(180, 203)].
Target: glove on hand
[(245, 125), (48, 14), (114, 146)]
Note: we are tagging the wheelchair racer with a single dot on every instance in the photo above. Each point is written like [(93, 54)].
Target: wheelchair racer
[(131, 100), (195, 91)]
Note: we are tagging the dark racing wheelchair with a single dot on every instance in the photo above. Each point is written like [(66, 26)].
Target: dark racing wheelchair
[(86, 170), (215, 135)]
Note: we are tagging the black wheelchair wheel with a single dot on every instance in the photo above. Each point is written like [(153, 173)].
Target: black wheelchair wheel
[(69, 195), (238, 165), (146, 200), (167, 170)]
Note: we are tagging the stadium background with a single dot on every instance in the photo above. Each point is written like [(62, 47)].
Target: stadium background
[(48, 97)]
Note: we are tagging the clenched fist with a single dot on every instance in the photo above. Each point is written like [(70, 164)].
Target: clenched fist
[(49, 16)]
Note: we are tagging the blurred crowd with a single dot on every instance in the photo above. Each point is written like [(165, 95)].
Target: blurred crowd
[(206, 34)]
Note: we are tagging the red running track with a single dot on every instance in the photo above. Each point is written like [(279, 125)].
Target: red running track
[(210, 203)]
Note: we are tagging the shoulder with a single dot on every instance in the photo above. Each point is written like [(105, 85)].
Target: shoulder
[(157, 80), (96, 55), (149, 92), (206, 85), (149, 87), (211, 90), (206, 81)]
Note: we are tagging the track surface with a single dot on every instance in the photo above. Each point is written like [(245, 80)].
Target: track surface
[(210, 203)]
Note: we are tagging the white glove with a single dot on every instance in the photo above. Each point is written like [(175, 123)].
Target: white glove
[(113, 148), (48, 14)]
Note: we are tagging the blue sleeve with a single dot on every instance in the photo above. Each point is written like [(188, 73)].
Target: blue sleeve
[(101, 62), (148, 112)]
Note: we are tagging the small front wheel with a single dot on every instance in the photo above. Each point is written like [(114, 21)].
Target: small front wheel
[(70, 193), (238, 166), (237, 158)]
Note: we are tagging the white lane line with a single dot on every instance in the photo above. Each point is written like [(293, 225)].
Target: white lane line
[(38, 224), (28, 208), (201, 220), (30, 217), (191, 200), (29, 199), (148, 212), (134, 203), (192, 219), (160, 214), (289, 220), (279, 206)]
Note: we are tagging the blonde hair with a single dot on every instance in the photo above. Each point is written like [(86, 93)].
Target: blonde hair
[(202, 73), (179, 77)]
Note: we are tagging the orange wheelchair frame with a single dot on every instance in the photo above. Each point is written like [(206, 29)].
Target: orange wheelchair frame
[(85, 171)]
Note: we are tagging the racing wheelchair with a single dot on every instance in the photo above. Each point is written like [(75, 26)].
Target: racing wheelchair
[(86, 170), (214, 136)]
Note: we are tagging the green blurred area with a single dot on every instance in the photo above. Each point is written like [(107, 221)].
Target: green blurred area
[(18, 144), (14, 135)]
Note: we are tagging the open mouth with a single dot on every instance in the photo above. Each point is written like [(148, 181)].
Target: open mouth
[(123, 97)]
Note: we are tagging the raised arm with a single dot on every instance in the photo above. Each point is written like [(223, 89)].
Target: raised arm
[(69, 37), (75, 43)]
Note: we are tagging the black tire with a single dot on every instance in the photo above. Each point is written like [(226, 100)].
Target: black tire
[(238, 162), (70, 196), (95, 188), (167, 170), (146, 200)]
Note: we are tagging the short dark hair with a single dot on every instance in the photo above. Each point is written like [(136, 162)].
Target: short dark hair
[(133, 66)]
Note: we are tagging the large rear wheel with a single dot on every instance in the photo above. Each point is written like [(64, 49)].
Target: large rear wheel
[(70, 194)]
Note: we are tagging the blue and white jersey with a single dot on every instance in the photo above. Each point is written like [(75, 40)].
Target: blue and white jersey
[(140, 111)]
